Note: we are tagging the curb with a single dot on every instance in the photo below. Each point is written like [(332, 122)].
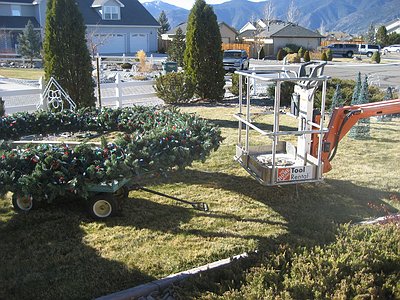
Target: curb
[(164, 283)]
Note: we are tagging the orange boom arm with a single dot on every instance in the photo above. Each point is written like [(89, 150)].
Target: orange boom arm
[(343, 119)]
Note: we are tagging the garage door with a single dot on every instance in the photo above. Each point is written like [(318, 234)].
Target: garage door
[(139, 41), (110, 43)]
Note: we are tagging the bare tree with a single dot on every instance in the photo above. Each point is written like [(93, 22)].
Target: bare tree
[(96, 39), (269, 12), (293, 13), (322, 29)]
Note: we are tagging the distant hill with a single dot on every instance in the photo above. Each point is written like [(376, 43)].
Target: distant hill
[(352, 16)]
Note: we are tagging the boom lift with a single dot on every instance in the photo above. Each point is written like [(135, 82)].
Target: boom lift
[(278, 161)]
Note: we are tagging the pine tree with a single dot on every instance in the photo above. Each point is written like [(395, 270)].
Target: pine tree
[(177, 48), (388, 96), (356, 91), (300, 53), (337, 100), (164, 23), (29, 42), (324, 57), (362, 129), (382, 36), (203, 54), (66, 55)]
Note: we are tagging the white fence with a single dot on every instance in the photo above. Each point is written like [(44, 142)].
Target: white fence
[(116, 94)]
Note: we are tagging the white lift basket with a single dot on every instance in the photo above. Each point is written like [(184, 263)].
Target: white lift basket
[(279, 162)]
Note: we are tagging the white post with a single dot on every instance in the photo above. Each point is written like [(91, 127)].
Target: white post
[(123, 58), (253, 82), (43, 100), (118, 90)]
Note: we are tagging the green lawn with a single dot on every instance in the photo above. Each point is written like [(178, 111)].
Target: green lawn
[(33, 74), (58, 252)]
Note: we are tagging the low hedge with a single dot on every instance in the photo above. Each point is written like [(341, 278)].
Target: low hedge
[(362, 263), (151, 140)]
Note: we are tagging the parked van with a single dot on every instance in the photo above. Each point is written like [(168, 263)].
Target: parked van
[(346, 50), (235, 60), (368, 49)]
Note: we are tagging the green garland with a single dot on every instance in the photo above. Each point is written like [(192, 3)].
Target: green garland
[(151, 140)]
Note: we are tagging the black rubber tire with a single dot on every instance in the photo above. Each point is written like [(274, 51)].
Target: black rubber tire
[(369, 54), (23, 203), (102, 206), (122, 193), (349, 54)]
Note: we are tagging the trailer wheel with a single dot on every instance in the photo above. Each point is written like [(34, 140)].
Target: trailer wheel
[(102, 206), (23, 203), (122, 193)]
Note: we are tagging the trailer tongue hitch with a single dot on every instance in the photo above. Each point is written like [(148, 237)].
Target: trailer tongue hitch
[(196, 205)]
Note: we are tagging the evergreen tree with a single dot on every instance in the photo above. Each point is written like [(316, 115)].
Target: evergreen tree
[(382, 36), (362, 128), (66, 55), (356, 91), (370, 35), (337, 100), (324, 57), (388, 96), (29, 42), (177, 48), (307, 56), (164, 23), (203, 54), (300, 53), (2, 109), (376, 57)]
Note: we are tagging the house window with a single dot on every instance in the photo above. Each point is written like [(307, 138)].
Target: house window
[(16, 10), (111, 13)]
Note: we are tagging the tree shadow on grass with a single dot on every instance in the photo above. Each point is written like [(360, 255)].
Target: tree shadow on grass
[(312, 211), (235, 124), (43, 256)]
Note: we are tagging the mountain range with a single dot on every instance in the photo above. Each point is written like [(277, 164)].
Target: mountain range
[(351, 16)]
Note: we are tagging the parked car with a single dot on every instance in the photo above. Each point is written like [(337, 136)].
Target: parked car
[(391, 48), (235, 60), (368, 49), (346, 50)]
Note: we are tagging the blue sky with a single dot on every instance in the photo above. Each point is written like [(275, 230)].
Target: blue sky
[(189, 3)]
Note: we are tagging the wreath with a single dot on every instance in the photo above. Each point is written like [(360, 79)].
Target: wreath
[(150, 139)]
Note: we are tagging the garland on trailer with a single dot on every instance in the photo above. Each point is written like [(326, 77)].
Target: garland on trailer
[(151, 140)]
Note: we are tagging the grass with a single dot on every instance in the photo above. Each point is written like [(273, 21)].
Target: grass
[(33, 74), (61, 248)]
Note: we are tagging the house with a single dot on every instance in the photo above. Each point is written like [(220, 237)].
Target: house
[(393, 26), (277, 34), (112, 26), (228, 34)]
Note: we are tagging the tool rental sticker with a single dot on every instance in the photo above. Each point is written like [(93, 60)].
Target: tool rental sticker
[(294, 174)]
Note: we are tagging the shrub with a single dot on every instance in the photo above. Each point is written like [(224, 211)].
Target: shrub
[(329, 54), (143, 67), (174, 88), (376, 57), (2, 109), (300, 53), (291, 48), (281, 54), (315, 55), (324, 57), (363, 262), (293, 58), (235, 85), (287, 89), (126, 66), (307, 56)]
